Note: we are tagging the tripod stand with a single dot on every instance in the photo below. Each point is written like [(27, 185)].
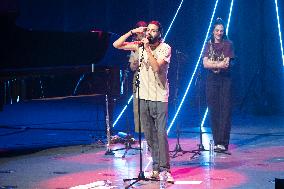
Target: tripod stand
[(127, 143), (178, 148), (141, 175)]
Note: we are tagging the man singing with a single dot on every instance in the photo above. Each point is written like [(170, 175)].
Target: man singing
[(153, 92)]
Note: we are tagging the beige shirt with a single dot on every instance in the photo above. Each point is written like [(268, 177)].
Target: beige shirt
[(154, 86), (134, 60)]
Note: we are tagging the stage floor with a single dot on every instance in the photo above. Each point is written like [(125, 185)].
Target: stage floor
[(257, 158)]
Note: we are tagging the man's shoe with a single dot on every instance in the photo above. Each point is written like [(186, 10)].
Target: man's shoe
[(170, 178), (154, 174), (221, 147), (168, 175)]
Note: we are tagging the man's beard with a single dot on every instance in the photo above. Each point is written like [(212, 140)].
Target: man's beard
[(153, 40)]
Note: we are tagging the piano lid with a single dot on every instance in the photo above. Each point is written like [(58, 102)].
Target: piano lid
[(22, 48), (74, 15)]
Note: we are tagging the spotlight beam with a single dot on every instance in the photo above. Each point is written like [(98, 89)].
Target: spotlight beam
[(129, 100), (195, 69)]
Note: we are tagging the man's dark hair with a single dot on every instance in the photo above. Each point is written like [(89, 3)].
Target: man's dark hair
[(157, 23), (141, 23)]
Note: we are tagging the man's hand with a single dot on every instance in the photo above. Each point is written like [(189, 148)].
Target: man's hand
[(145, 42), (138, 30)]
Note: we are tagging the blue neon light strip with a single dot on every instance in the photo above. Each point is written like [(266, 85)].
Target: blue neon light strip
[(204, 117), (195, 69), (165, 36), (279, 30), (124, 108), (229, 18)]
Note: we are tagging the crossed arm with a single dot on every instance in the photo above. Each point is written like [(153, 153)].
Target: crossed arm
[(209, 64)]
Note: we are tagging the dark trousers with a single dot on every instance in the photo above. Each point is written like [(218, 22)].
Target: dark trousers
[(218, 94)]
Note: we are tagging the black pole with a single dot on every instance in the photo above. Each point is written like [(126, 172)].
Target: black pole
[(127, 142), (141, 175), (178, 149)]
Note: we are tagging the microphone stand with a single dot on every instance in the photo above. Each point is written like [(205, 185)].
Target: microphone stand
[(200, 145), (178, 148), (127, 141), (109, 151), (141, 175)]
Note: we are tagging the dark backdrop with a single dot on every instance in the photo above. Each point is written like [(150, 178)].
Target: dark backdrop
[(258, 71)]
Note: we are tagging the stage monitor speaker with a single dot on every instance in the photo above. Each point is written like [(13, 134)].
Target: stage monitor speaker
[(279, 183)]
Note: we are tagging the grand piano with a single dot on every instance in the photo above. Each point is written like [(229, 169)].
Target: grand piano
[(46, 64)]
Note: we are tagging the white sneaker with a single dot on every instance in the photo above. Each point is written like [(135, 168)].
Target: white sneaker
[(154, 174), (169, 176), (221, 147)]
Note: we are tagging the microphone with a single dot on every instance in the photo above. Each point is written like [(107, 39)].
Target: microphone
[(141, 44)]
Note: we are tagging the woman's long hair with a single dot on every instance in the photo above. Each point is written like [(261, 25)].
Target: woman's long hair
[(218, 21)]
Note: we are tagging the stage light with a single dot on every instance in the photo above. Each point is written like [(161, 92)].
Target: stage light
[(122, 82), (229, 17), (204, 117), (148, 164), (124, 108), (173, 20), (195, 69), (279, 31), (205, 137), (129, 100)]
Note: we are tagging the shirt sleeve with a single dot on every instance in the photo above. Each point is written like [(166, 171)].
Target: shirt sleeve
[(206, 51), (229, 50), (165, 53), (133, 59)]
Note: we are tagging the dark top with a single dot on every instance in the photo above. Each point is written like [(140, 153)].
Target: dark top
[(219, 51), (225, 47)]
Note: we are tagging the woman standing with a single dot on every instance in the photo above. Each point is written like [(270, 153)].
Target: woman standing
[(217, 58)]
